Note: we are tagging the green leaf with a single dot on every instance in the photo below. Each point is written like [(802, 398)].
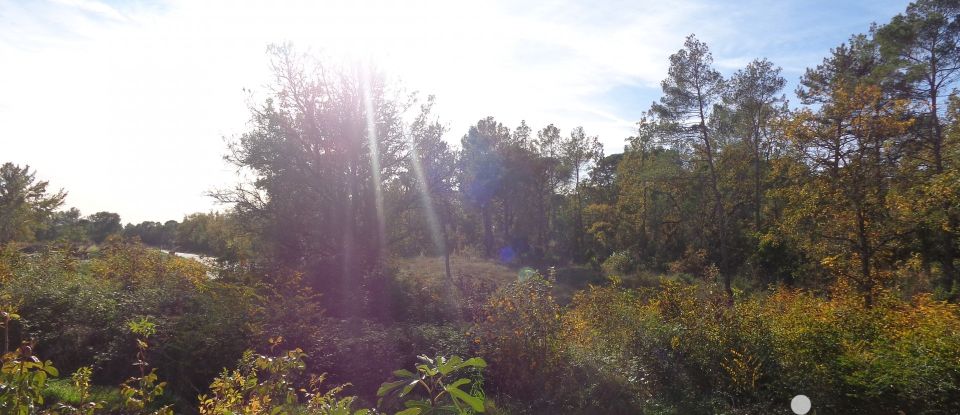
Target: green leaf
[(447, 366), (474, 402), (418, 403), (403, 373), (51, 370), (409, 387), (458, 383), (410, 411), (474, 362), (389, 386)]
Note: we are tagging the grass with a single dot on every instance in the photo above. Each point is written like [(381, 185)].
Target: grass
[(430, 270), (63, 391)]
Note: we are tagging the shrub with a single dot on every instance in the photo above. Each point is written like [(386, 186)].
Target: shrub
[(23, 377), (361, 352), (618, 264), (262, 385), (519, 336), (436, 340), (77, 310), (601, 330), (434, 384)]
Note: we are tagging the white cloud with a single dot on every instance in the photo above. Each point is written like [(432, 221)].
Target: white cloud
[(95, 7)]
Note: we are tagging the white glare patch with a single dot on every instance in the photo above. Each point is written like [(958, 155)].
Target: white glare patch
[(800, 404)]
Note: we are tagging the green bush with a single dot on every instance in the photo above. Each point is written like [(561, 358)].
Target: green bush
[(433, 383), (618, 264), (268, 385), (519, 335), (682, 348), (76, 309)]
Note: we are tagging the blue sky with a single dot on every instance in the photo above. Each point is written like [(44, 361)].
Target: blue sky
[(126, 104)]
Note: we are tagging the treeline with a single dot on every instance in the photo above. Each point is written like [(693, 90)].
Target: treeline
[(30, 215)]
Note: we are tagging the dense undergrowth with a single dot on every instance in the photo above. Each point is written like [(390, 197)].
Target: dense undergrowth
[(673, 347)]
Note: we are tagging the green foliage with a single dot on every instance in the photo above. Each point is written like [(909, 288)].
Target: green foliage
[(24, 203), (262, 385), (216, 234), (440, 394), (65, 225), (423, 294), (64, 396), (338, 343), (154, 233), (84, 405), (138, 392), (437, 340), (851, 202), (681, 346), (23, 378), (518, 333), (618, 264), (101, 225), (77, 310)]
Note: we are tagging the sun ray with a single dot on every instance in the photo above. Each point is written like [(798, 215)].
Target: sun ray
[(431, 215), (374, 144)]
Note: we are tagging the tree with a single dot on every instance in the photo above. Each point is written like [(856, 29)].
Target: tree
[(319, 152), (656, 205), (429, 184), (521, 135), (579, 152), (553, 173), (923, 47), (842, 204), (756, 100), (100, 225), (24, 203), (481, 168), (64, 225), (518, 195), (689, 93), (162, 235), (601, 185)]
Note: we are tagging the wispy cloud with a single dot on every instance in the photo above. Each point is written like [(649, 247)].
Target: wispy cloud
[(97, 8)]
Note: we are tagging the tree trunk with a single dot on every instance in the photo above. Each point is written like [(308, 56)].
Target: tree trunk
[(949, 253), (487, 231), (866, 279), (579, 231), (446, 254), (719, 211), (756, 191)]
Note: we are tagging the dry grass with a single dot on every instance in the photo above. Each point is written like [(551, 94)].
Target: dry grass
[(471, 271), (431, 269)]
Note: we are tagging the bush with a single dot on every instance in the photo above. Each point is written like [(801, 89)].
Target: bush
[(434, 384), (618, 264), (76, 310), (519, 336), (436, 340), (262, 385), (601, 330), (682, 348), (362, 352)]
